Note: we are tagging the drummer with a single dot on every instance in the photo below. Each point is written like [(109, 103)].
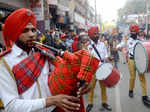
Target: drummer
[(93, 33), (131, 42)]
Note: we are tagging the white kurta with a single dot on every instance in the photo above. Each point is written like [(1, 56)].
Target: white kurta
[(29, 101), (130, 45), (101, 48)]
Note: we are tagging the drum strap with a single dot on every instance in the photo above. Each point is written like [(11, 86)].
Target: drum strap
[(97, 52), (131, 55)]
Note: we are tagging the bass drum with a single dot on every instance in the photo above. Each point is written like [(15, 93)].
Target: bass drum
[(108, 75), (142, 57)]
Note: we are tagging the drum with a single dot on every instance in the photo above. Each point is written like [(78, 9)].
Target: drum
[(108, 75), (142, 57)]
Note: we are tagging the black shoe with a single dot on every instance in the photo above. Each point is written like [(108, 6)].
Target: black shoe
[(89, 107), (131, 95), (106, 106), (146, 100)]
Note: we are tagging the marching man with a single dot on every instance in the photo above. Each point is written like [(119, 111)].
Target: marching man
[(131, 42), (93, 33)]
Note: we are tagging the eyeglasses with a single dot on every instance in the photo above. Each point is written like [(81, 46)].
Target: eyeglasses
[(29, 29)]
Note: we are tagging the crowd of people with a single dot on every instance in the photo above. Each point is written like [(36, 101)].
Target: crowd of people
[(25, 71)]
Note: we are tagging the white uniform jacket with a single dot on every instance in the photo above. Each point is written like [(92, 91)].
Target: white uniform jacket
[(29, 101)]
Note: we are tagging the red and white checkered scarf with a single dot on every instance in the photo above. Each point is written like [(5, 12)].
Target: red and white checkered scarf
[(28, 70)]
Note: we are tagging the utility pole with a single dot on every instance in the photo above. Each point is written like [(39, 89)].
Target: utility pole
[(95, 12)]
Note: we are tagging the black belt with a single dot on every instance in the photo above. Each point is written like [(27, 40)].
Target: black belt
[(131, 58)]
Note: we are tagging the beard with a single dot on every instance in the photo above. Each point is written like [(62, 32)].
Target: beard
[(134, 36), (95, 39), (23, 46)]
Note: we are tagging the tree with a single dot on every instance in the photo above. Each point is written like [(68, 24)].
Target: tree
[(132, 7)]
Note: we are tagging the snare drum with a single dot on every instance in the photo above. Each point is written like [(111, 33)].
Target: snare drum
[(108, 75), (142, 57)]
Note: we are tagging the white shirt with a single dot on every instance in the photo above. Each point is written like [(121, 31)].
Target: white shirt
[(101, 48), (29, 101), (130, 45)]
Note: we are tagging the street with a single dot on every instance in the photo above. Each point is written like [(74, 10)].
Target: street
[(118, 97)]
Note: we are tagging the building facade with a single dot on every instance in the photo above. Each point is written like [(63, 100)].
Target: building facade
[(61, 14)]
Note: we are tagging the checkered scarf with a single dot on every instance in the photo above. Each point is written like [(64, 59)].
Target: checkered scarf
[(28, 70)]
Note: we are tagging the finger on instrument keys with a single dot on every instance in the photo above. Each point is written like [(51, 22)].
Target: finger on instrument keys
[(84, 89)]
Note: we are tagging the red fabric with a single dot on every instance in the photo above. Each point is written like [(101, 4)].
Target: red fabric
[(51, 31), (28, 70), (74, 44), (5, 52), (92, 31), (134, 27), (63, 35), (69, 70), (8, 43), (76, 38), (15, 24)]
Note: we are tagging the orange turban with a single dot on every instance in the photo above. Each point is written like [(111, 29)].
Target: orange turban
[(15, 24), (92, 31), (134, 27)]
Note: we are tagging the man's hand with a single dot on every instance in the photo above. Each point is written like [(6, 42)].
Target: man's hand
[(65, 102), (110, 58), (84, 89)]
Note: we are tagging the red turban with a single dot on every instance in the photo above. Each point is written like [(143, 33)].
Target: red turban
[(15, 24), (51, 31), (74, 44), (92, 31), (134, 27), (63, 35)]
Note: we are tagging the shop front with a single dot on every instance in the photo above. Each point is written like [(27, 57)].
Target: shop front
[(7, 7), (79, 22), (63, 17)]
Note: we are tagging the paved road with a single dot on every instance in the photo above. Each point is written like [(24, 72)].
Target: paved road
[(118, 96)]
